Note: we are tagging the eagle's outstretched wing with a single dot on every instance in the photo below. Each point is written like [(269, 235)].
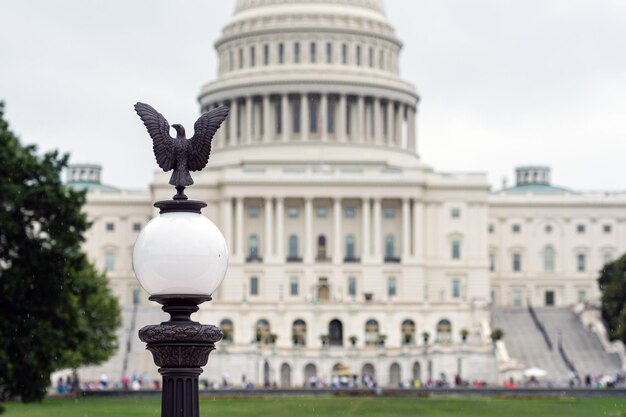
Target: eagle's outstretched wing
[(159, 130), (204, 129)]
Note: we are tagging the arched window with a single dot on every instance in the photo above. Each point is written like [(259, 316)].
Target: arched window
[(293, 247), (389, 248), (395, 375), (321, 248), (253, 247), (310, 375), (263, 331), (350, 253), (298, 332), (408, 332), (444, 331), (335, 333), (371, 332), (548, 259), (227, 330)]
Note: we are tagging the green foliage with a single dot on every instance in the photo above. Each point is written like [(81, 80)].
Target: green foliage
[(496, 334), (55, 311), (612, 283)]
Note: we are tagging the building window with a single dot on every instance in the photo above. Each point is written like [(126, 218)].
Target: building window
[(391, 287), (581, 262), (136, 227), (389, 213), (253, 212), (352, 286), (321, 212), (298, 332), (491, 229), (548, 229), (240, 58), (313, 52), (293, 247), (492, 262), (580, 228), (253, 247), (344, 53), (389, 247), (444, 331), (109, 261), (607, 228), (516, 228), (408, 332), (517, 298), (582, 296), (231, 60), (350, 212), (281, 53), (517, 262), (456, 249), (293, 212), (266, 54), (358, 54), (548, 259), (350, 247), (296, 52), (607, 257), (254, 285), (455, 213), (371, 333), (549, 298), (227, 328), (252, 56), (330, 117), (313, 115), (293, 286), (136, 296), (263, 331), (295, 111), (321, 248), (110, 227), (329, 53), (370, 57), (381, 59), (456, 288)]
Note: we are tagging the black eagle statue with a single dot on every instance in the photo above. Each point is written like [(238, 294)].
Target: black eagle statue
[(179, 153)]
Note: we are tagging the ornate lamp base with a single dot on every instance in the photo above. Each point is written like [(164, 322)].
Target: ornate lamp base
[(180, 347)]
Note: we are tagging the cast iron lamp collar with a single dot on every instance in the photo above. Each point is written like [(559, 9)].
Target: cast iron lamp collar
[(180, 258)]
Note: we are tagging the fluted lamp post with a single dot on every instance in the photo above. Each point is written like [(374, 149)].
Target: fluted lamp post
[(180, 259)]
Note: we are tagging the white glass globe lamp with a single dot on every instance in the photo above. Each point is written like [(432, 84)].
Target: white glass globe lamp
[(180, 253)]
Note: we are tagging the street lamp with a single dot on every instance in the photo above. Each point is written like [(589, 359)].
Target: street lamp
[(180, 259)]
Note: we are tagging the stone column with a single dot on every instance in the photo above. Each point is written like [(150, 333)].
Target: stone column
[(377, 229), (411, 136), (337, 241), (308, 230), (399, 120), (406, 229), (248, 130), (267, 127), (234, 114), (340, 119), (226, 222), (367, 242), (418, 229), (323, 116), (239, 229), (269, 229), (304, 116), (284, 110), (390, 123), (378, 121), (360, 120), (280, 229)]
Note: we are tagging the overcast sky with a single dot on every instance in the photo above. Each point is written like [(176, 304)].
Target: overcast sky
[(502, 82)]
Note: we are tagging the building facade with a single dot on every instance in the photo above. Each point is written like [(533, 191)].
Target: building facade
[(346, 250)]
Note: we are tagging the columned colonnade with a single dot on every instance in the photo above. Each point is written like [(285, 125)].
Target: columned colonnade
[(410, 243), (317, 116)]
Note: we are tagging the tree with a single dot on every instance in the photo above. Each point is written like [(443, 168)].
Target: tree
[(496, 334), (612, 283), (55, 310)]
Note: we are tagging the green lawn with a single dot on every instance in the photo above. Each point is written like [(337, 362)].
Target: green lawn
[(329, 406)]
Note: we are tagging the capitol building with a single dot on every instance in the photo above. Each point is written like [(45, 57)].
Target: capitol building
[(347, 251)]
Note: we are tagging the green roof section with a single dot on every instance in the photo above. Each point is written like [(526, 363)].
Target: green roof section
[(539, 189), (93, 186)]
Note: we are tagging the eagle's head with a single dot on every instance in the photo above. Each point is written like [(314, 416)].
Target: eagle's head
[(180, 130)]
